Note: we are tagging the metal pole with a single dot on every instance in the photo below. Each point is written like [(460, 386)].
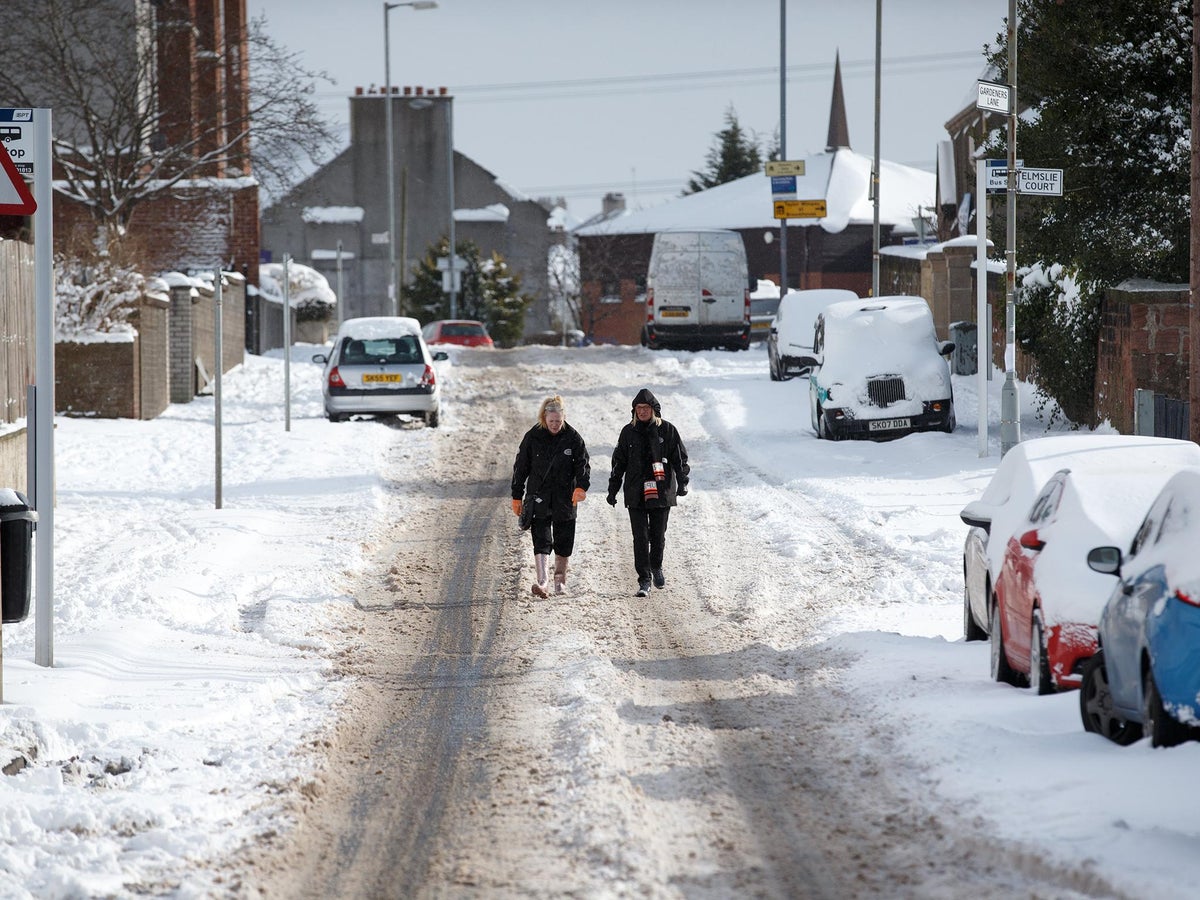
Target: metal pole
[(983, 335), (287, 344), (43, 241), (783, 267), (393, 296), (454, 274), (341, 302), (875, 166), (1010, 418), (218, 328)]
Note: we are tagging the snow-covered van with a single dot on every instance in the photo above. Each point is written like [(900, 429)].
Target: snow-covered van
[(697, 291), (878, 370)]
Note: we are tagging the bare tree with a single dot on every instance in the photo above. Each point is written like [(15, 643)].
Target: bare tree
[(127, 128)]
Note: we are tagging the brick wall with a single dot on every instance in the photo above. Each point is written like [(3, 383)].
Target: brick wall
[(153, 356), (97, 379), (1143, 344)]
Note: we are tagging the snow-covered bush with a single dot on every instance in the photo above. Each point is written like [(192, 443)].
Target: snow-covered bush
[(94, 297), (309, 293)]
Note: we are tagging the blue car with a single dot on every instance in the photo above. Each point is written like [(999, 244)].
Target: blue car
[(1146, 677)]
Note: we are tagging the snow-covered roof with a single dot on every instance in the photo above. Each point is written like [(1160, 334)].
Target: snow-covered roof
[(496, 212), (841, 178), (332, 215)]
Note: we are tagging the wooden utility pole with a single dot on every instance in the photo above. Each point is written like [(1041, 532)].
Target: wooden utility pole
[(1194, 267)]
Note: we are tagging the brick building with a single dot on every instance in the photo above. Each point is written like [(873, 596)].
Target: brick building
[(189, 59)]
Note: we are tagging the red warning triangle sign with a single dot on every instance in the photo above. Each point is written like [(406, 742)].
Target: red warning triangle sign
[(15, 198)]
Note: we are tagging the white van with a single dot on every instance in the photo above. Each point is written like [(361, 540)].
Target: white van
[(697, 291)]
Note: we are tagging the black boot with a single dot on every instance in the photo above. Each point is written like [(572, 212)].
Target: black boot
[(660, 580), (643, 587)]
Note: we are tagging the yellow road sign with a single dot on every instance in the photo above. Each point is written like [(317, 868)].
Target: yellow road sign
[(785, 167), (800, 209)]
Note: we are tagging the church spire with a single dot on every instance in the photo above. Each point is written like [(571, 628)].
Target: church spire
[(839, 129)]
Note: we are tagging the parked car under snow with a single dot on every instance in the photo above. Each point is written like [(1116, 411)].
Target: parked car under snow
[(1147, 675), (878, 370)]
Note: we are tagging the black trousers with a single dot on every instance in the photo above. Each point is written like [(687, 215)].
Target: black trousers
[(649, 527), (555, 535)]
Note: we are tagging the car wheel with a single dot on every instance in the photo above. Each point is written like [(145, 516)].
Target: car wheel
[(1096, 706), (951, 423), (433, 418), (823, 430), (774, 369), (971, 629), (1039, 664), (1164, 729), (1001, 670), (336, 417)]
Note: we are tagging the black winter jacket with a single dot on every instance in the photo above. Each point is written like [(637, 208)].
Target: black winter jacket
[(547, 470), (632, 457)]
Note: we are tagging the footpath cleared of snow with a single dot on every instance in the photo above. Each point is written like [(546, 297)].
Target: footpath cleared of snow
[(194, 647)]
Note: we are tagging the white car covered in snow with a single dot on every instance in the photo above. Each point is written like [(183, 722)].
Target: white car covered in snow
[(878, 370), (791, 331)]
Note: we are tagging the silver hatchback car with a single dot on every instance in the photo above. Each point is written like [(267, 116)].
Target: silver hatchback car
[(380, 365)]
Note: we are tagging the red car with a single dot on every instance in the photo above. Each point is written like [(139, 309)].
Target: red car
[(463, 332)]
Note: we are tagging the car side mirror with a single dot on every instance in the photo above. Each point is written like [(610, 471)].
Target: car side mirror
[(945, 348), (1105, 560), (440, 355), (640, 282), (976, 517), (320, 358)]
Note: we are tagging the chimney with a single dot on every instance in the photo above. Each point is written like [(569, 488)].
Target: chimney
[(612, 203)]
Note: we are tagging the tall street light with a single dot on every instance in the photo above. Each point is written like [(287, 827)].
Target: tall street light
[(393, 292)]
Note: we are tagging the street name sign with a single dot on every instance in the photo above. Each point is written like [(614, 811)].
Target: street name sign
[(786, 167), (994, 97), (1038, 182), (800, 209)]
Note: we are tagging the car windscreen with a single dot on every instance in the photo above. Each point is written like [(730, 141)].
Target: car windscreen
[(401, 350), (463, 329)]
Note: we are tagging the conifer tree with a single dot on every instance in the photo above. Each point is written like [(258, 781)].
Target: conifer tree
[(733, 155), (490, 292)]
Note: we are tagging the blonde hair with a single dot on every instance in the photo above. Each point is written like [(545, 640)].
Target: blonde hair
[(551, 404)]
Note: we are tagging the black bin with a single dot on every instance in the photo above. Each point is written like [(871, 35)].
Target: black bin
[(17, 522)]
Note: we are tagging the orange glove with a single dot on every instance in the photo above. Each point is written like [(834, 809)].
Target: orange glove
[(579, 496), (516, 507)]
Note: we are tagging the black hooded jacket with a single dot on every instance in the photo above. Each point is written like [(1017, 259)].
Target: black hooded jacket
[(639, 445), (550, 467)]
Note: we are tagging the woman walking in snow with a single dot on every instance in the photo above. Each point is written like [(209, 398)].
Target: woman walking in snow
[(653, 461), (551, 475)]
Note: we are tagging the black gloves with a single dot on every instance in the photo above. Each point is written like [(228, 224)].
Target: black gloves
[(612, 499), (681, 492)]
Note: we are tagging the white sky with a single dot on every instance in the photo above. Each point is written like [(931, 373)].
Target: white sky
[(190, 661), (581, 98)]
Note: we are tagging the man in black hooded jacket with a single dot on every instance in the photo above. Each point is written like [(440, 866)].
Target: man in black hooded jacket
[(652, 460)]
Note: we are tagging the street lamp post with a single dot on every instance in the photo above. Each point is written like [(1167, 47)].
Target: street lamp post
[(393, 292)]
